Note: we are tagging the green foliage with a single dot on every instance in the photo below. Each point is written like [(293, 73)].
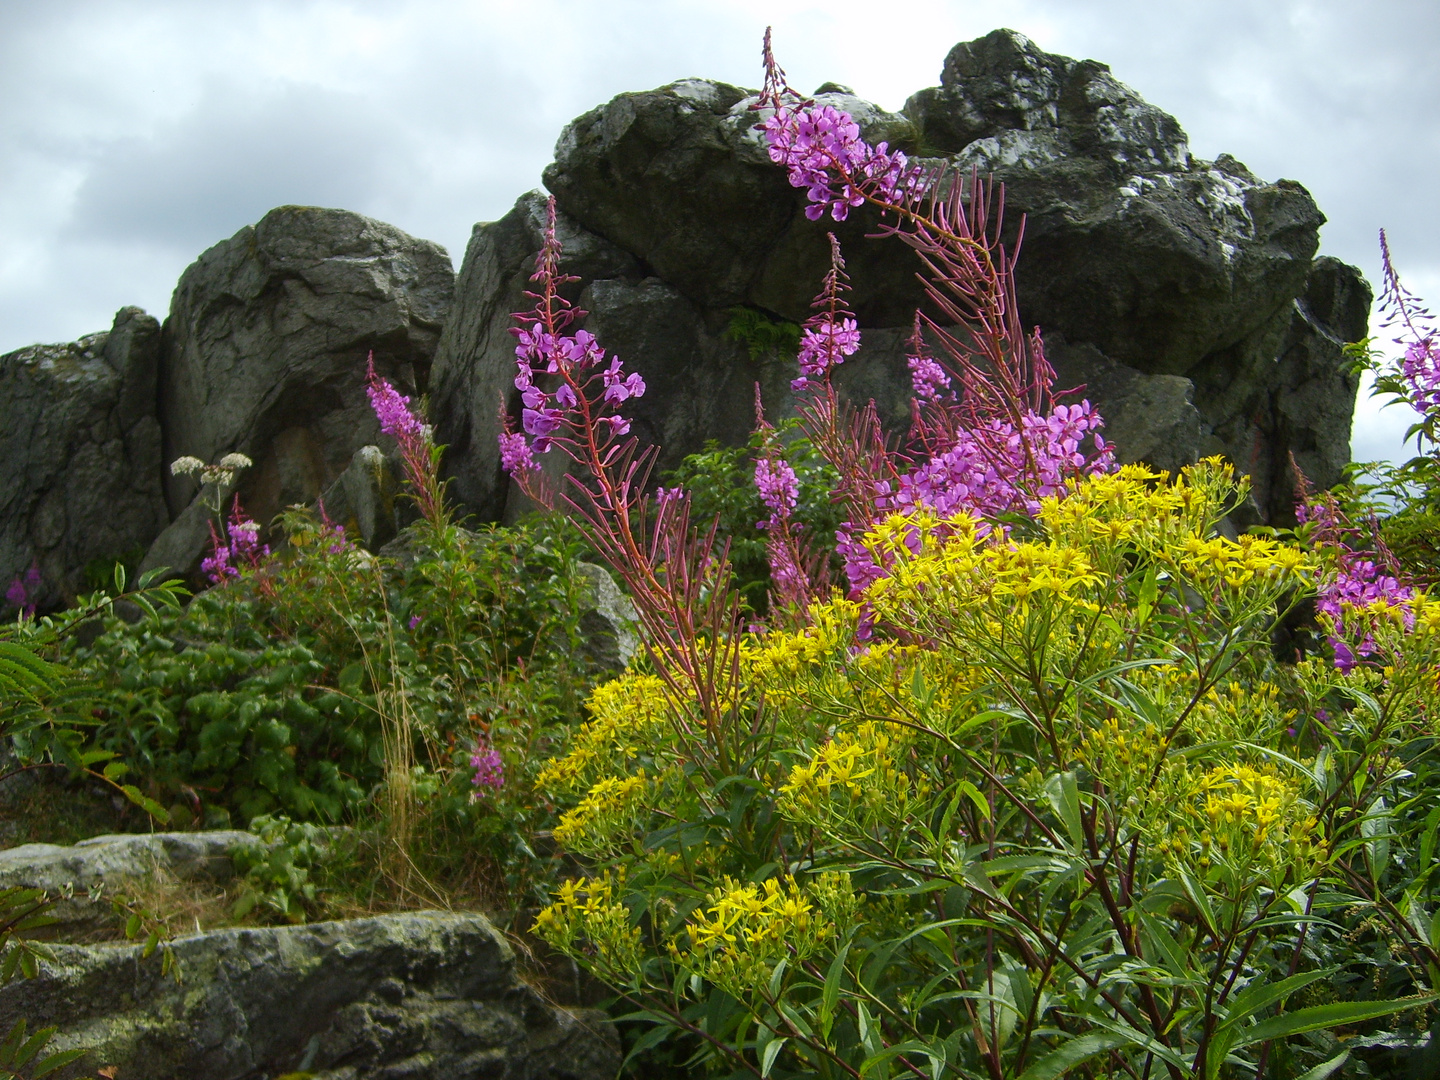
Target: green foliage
[(721, 484), (283, 869), (761, 335), (22, 1052), (275, 693)]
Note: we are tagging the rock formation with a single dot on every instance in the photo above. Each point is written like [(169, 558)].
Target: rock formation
[(80, 451), (266, 344), (1166, 284), (425, 995), (1183, 294)]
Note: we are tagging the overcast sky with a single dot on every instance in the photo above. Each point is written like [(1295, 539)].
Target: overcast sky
[(133, 135)]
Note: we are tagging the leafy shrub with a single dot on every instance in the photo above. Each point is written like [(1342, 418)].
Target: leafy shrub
[(276, 692)]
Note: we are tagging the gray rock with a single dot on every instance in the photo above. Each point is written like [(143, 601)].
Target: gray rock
[(365, 499), (80, 462), (425, 995), (115, 862), (608, 623), (1174, 278), (266, 344)]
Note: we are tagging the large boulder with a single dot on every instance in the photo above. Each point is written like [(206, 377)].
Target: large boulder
[(1170, 281), (423, 995), (80, 458), (266, 344)]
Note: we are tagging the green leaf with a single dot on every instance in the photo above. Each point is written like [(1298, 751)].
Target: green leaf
[(1264, 994), (772, 1051), (49, 1064), (149, 805), (830, 995), (1074, 1052), (1064, 796), (1326, 1068), (1325, 1017)]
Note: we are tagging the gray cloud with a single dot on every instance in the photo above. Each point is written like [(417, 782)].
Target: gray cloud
[(134, 135)]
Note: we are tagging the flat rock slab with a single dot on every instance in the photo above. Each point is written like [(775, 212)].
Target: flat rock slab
[(422, 995), (115, 862)]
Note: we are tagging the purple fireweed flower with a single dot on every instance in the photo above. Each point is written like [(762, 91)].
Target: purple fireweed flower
[(575, 363), (822, 151), (392, 408), (515, 453), (1359, 583), (778, 486), (489, 770), (24, 590), (414, 621), (927, 378), (832, 333)]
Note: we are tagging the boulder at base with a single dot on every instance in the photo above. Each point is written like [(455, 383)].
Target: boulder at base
[(423, 995)]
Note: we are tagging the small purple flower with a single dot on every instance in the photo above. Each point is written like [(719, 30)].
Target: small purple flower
[(515, 453), (414, 621), (778, 486), (392, 408), (23, 591), (489, 770), (927, 378)]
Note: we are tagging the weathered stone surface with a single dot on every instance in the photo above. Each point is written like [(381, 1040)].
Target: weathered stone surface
[(608, 627), (266, 343), (1172, 279), (80, 466), (425, 996), (365, 499), (183, 544), (115, 862)]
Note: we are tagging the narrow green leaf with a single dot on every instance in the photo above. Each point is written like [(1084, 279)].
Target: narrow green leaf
[(1264, 994), (1324, 1017), (772, 1051), (830, 995), (1073, 1053), (1326, 1068)]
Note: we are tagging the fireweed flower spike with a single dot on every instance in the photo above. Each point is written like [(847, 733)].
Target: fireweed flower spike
[(822, 151), (415, 439), (237, 549), (832, 333), (567, 394)]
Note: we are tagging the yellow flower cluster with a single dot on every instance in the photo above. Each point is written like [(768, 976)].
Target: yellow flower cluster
[(628, 716), (608, 815), (1233, 564), (855, 776), (589, 911), (736, 940), (1123, 757), (777, 660), (1253, 818), (759, 919)]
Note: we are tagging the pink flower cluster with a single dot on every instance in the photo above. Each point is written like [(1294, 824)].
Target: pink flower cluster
[(778, 486), (23, 591), (1421, 369), (823, 152), (1360, 582), (928, 379), (240, 547), (392, 408), (989, 471), (584, 389), (489, 770), (995, 469), (832, 333)]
